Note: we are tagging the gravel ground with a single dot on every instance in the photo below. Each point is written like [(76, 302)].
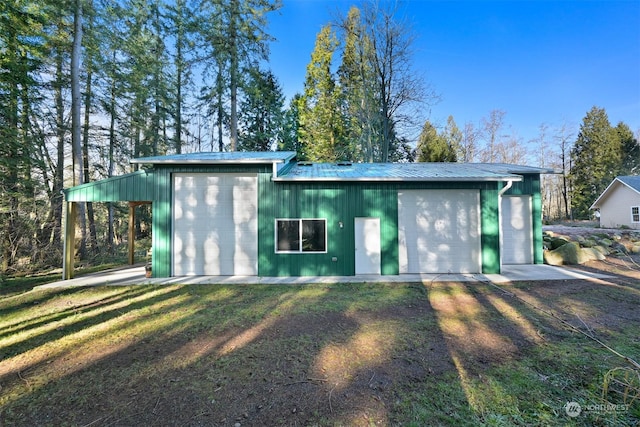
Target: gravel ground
[(585, 230)]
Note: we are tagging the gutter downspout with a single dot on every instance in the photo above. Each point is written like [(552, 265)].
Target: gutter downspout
[(505, 189)]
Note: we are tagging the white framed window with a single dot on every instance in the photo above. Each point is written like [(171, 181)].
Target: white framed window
[(301, 235), (635, 213)]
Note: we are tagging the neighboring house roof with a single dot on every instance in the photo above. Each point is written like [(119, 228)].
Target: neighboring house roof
[(218, 157), (632, 182), (345, 171)]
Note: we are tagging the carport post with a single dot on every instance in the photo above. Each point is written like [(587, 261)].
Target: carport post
[(69, 240), (132, 232)]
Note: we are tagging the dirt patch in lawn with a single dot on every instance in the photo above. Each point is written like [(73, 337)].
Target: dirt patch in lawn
[(361, 354)]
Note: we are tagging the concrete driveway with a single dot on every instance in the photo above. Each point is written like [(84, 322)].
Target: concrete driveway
[(510, 273)]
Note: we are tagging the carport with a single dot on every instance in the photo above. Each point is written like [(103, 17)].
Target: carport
[(135, 188)]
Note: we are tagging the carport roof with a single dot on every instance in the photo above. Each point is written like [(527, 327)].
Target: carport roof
[(345, 171)]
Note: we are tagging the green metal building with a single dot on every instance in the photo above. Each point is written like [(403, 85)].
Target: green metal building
[(266, 214)]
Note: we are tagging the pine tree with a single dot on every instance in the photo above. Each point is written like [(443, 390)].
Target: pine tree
[(630, 150), (235, 33), (596, 158), (321, 131), (21, 57), (433, 147), (453, 136), (288, 139), (261, 112), (180, 23), (363, 124)]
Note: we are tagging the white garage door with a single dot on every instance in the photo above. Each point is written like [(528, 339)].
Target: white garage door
[(517, 234), (439, 231), (215, 223)]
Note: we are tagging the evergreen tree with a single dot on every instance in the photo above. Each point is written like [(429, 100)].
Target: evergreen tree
[(453, 136), (630, 150), (433, 147), (22, 54), (321, 131), (380, 89), (181, 25), (363, 124), (596, 158), (261, 111), (235, 33), (288, 140)]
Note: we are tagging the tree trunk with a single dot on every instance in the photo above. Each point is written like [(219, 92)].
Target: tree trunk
[(76, 131), (220, 117), (234, 52), (93, 238), (58, 180), (9, 182), (179, 63), (110, 160)]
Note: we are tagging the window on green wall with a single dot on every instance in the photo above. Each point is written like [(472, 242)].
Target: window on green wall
[(301, 235)]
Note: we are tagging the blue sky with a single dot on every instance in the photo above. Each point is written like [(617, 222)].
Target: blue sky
[(539, 61)]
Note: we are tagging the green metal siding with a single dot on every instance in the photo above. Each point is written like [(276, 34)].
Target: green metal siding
[(133, 187), (163, 209), (305, 200), (490, 226), (343, 202), (335, 202)]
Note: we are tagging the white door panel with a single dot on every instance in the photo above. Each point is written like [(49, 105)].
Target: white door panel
[(517, 234), (215, 224), (367, 244), (439, 231)]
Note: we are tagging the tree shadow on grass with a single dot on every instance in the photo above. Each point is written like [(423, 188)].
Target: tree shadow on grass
[(73, 320), (400, 354), (25, 318)]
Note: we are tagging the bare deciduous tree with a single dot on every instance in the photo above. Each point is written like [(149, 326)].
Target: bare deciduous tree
[(397, 85), (469, 143), (491, 132)]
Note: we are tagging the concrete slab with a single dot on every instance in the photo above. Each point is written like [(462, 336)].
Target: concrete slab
[(522, 273), (510, 273)]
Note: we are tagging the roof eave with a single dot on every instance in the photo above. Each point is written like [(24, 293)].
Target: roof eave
[(397, 179), (254, 161), (209, 162)]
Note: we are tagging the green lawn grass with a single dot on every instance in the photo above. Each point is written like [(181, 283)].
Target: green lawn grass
[(345, 354)]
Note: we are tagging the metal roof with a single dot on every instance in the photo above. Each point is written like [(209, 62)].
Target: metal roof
[(518, 169), (220, 157), (304, 171), (143, 185)]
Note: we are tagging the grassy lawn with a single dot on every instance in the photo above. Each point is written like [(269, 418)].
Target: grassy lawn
[(346, 354)]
